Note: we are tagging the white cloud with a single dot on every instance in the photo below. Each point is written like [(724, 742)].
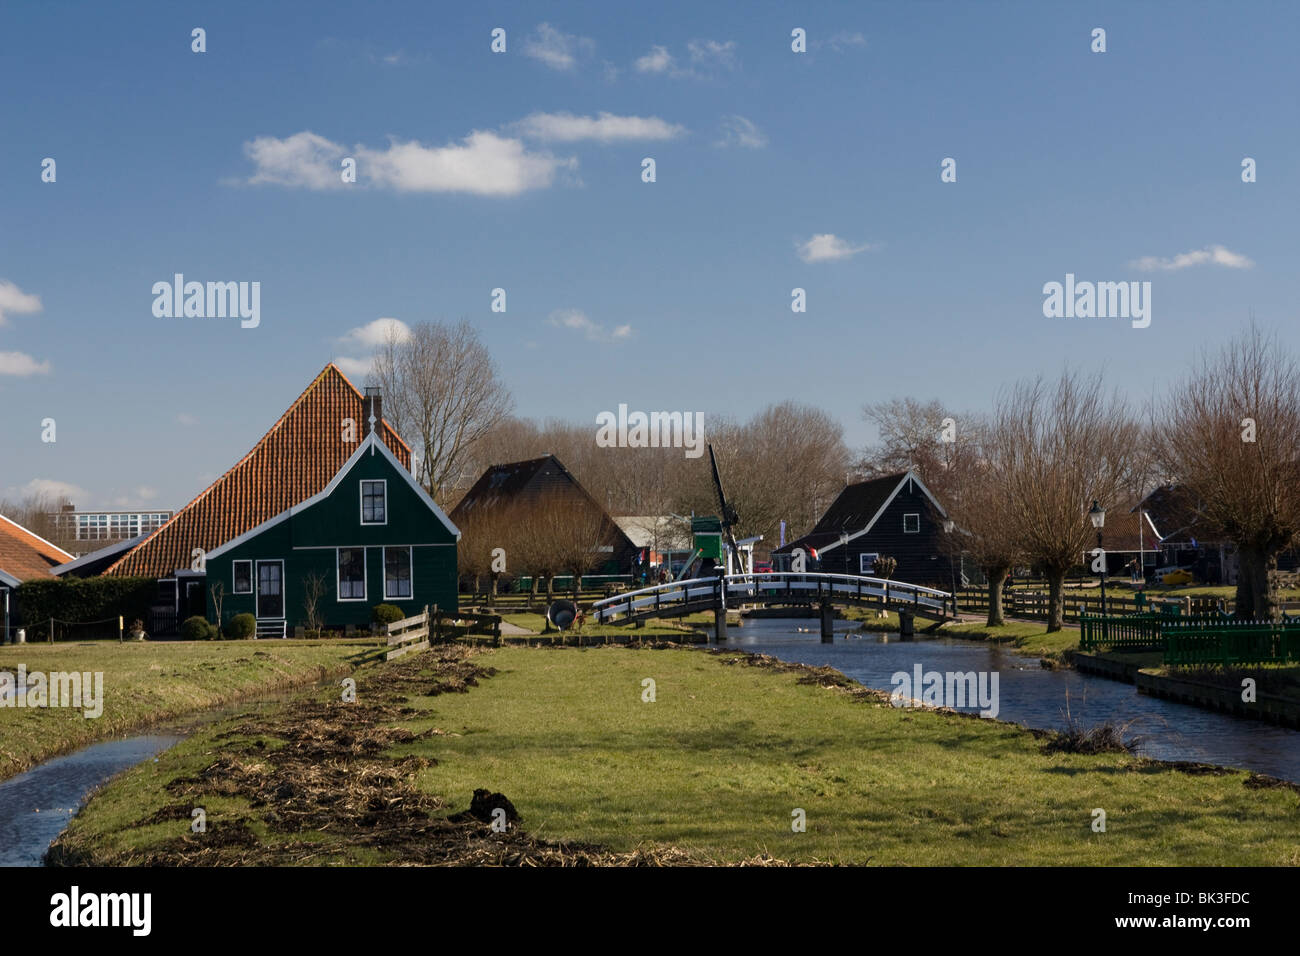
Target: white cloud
[(1212, 255), (354, 368), (658, 60), (738, 131), (187, 419), (15, 300), (376, 333), (604, 127), (828, 247), (22, 365), (556, 49), (303, 159), (843, 39), (484, 163), (48, 487), (594, 331), (146, 493), (711, 53)]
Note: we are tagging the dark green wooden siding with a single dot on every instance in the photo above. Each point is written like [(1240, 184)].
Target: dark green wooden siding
[(307, 543)]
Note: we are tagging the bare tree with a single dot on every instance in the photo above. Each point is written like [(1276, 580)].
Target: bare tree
[(1060, 448), (920, 436), (218, 592), (441, 394), (979, 505), (1228, 434), (314, 588)]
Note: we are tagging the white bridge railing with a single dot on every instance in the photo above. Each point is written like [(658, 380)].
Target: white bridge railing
[(736, 588)]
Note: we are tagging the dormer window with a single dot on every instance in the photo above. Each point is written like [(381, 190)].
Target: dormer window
[(374, 505)]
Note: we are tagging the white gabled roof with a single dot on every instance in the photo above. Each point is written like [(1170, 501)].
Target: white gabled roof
[(370, 442), (909, 475)]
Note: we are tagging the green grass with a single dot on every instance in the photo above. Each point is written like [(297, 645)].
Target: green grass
[(151, 681), (1030, 637), (651, 628), (726, 752)]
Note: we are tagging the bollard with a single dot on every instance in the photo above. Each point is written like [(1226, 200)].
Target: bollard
[(21, 636), (906, 624)]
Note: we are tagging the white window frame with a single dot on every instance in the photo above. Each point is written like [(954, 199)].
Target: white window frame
[(338, 576), (865, 561), (361, 491), (234, 588), (410, 565), (916, 530)]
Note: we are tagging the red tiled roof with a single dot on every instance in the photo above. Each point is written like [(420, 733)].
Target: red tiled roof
[(294, 460), (24, 555)]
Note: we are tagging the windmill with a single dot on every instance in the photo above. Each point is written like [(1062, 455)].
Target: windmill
[(727, 514)]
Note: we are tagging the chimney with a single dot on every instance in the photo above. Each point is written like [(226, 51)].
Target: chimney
[(372, 406)]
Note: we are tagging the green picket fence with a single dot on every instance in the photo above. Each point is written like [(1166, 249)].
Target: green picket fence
[(1213, 639), (1232, 642)]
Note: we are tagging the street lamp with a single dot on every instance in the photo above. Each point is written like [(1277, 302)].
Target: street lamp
[(1098, 516), (948, 525), (844, 543)]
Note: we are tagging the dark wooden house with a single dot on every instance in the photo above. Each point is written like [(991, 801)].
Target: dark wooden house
[(892, 516)]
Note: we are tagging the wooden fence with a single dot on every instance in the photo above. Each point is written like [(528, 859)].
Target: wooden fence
[(416, 633), (1034, 604)]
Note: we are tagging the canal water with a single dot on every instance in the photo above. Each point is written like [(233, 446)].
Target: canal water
[(35, 806), (1034, 697)]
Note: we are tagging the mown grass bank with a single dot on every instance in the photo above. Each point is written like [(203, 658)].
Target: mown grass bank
[(714, 767), (151, 681)]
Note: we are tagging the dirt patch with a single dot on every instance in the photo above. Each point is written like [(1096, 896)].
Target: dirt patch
[(1259, 781)]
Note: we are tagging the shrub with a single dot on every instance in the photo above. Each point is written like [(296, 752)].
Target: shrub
[(196, 628), (83, 599), (383, 614), (241, 627)]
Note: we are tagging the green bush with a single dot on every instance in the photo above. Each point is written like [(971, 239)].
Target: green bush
[(83, 599), (383, 614), (196, 628), (241, 627)]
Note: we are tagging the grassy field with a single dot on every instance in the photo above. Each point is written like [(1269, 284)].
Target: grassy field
[(1029, 637), (716, 766), (150, 681)]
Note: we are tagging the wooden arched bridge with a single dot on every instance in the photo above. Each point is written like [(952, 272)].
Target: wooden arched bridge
[(788, 588)]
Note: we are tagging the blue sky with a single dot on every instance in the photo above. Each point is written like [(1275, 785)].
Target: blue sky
[(522, 171)]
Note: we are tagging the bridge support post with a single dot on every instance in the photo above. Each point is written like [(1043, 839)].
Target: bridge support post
[(720, 624), (906, 624), (828, 622)]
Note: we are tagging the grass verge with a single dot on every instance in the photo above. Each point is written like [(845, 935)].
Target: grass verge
[(151, 681)]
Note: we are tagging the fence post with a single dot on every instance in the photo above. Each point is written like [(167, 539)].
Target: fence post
[(428, 622)]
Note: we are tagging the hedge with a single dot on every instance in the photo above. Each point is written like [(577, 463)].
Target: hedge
[(83, 599)]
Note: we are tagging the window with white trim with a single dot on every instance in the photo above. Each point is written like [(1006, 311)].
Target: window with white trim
[(397, 572), (243, 572), (352, 574), (374, 506), (865, 561), (911, 524)]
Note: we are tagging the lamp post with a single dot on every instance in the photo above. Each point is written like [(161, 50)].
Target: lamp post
[(948, 525), (844, 543), (1098, 516)]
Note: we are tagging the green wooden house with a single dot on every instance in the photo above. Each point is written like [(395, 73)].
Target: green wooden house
[(371, 536)]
